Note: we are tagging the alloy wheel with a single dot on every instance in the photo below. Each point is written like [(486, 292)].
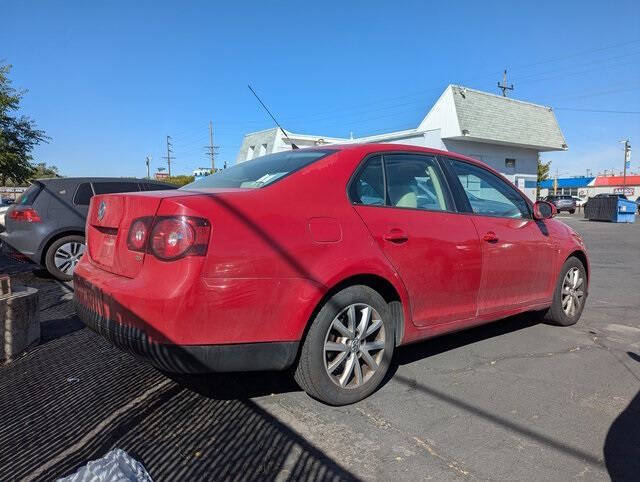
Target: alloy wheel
[(572, 292), (67, 256), (354, 345)]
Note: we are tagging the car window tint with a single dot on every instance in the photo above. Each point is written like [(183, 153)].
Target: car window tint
[(488, 194), (83, 194), (368, 187), (260, 172), (414, 181), (113, 187), (30, 194)]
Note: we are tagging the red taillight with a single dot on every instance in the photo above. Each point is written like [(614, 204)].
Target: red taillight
[(138, 233), (29, 215), (170, 237)]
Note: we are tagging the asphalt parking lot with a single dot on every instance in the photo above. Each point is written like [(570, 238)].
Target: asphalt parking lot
[(514, 400)]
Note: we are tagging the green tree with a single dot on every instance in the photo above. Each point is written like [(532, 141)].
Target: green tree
[(543, 174), (18, 134), (42, 171), (180, 180)]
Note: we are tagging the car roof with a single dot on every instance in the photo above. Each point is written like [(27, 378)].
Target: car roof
[(386, 147), (97, 179)]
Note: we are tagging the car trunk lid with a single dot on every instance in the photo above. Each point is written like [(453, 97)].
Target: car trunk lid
[(108, 222)]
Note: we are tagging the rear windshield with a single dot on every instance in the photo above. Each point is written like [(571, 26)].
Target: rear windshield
[(30, 194), (261, 171)]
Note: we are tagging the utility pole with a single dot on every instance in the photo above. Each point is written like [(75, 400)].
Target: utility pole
[(555, 183), (211, 148), (148, 161), (627, 163), (504, 85), (168, 156)]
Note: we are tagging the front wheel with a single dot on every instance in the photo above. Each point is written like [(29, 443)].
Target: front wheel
[(571, 211), (348, 348), (570, 294), (63, 256)]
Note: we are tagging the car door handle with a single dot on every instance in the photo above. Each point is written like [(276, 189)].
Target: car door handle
[(396, 236), (490, 237)]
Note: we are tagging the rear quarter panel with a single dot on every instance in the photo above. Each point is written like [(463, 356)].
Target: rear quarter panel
[(276, 251)]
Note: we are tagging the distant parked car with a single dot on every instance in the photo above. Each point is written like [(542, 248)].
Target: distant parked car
[(638, 203), (47, 222), (562, 203), (4, 206)]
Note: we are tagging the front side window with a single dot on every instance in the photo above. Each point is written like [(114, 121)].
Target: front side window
[(414, 181), (368, 187), (489, 195), (261, 171)]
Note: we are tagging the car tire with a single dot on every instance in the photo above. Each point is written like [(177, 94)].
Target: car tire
[(570, 294), (361, 360), (63, 255), (572, 211)]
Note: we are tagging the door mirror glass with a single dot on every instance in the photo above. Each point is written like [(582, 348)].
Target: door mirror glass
[(544, 210)]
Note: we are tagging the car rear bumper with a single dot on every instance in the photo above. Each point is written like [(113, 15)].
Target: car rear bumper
[(24, 242), (189, 330), (190, 358)]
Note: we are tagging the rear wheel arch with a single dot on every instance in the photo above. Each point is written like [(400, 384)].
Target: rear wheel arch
[(52, 239), (379, 284)]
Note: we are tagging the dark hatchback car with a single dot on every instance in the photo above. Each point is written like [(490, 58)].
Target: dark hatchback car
[(562, 203), (47, 222)]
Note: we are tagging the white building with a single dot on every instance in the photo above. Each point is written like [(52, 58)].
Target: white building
[(201, 172), (505, 133)]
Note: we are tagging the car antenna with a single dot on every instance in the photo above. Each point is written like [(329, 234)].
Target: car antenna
[(293, 146)]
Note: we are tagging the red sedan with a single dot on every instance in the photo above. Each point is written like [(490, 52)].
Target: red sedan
[(323, 259)]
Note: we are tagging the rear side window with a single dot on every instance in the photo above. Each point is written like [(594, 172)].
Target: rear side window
[(114, 187), (83, 194), (261, 171), (414, 181), (368, 187), (30, 194)]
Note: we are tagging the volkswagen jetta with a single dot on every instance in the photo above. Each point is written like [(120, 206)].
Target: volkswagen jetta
[(322, 259)]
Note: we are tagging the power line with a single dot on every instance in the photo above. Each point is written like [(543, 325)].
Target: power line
[(599, 110)]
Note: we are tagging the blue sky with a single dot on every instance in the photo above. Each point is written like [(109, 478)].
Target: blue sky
[(108, 81)]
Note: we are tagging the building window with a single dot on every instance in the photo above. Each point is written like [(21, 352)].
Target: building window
[(263, 149), (510, 163), (251, 152)]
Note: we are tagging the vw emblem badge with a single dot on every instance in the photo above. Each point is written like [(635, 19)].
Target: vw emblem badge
[(101, 210)]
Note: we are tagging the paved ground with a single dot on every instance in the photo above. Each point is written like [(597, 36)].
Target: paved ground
[(515, 400)]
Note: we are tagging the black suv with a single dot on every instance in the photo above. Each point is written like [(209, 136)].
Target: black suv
[(47, 222)]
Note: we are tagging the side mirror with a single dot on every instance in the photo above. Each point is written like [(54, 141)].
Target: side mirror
[(544, 210)]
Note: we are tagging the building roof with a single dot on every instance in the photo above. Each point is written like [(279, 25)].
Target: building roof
[(567, 182), (488, 117), (617, 181), (459, 113)]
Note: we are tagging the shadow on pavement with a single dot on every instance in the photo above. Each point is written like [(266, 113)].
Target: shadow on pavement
[(424, 349), (77, 397), (503, 422), (622, 445)]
